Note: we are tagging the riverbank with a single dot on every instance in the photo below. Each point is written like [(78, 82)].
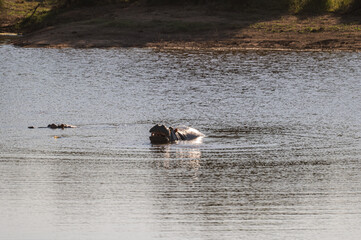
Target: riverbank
[(195, 28)]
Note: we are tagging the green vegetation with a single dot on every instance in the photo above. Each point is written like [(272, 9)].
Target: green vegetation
[(278, 28), (298, 6), (29, 14), (37, 20)]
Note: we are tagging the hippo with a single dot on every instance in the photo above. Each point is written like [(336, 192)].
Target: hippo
[(62, 126), (161, 134), (55, 126)]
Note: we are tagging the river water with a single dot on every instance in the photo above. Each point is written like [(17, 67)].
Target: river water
[(281, 158)]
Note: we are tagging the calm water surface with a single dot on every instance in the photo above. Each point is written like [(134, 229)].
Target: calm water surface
[(281, 158)]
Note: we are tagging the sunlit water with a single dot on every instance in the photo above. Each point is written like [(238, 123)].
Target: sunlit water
[(281, 158)]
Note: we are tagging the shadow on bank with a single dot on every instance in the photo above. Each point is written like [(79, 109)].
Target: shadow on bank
[(122, 23)]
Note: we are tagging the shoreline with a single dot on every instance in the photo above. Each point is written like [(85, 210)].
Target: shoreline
[(331, 45), (196, 29)]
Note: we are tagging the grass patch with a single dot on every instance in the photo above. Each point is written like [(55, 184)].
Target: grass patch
[(16, 14), (38, 20), (302, 28), (20, 8), (317, 6)]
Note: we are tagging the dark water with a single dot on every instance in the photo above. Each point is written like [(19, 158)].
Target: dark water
[(281, 158)]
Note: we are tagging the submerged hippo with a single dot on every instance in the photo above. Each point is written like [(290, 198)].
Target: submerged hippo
[(54, 126), (161, 134)]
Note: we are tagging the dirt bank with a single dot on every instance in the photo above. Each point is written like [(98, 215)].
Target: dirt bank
[(196, 28)]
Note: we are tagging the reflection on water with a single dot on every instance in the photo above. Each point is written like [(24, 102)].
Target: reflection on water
[(280, 160), (188, 158)]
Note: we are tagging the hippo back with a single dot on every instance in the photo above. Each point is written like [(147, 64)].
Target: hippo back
[(189, 133)]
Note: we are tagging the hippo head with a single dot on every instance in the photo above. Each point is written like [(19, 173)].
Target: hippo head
[(161, 134)]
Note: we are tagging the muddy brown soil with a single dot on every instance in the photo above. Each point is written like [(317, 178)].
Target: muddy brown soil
[(196, 28)]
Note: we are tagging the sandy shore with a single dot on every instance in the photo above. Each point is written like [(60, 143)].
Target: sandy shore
[(196, 28)]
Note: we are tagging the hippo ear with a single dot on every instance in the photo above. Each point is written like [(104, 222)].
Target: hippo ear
[(152, 129)]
